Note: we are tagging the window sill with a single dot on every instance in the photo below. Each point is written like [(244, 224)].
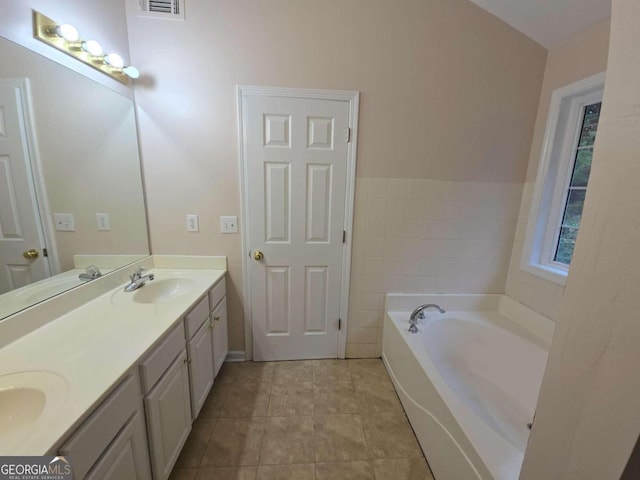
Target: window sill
[(547, 272)]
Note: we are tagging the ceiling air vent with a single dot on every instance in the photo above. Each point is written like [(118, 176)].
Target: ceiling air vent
[(162, 8)]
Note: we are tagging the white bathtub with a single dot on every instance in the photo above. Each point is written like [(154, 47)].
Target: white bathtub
[(469, 380)]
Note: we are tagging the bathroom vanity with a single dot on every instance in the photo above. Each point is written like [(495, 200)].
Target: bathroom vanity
[(116, 383)]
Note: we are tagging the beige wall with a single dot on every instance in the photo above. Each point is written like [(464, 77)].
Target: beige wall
[(88, 150), (449, 93), (588, 419), (580, 56)]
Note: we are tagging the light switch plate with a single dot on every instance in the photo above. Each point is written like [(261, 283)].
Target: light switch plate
[(102, 219), (229, 224), (64, 222), (192, 223)]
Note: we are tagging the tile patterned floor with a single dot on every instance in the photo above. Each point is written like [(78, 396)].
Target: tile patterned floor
[(318, 419)]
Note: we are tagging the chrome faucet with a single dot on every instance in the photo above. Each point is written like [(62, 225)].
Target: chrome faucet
[(138, 279), (91, 273), (418, 313)]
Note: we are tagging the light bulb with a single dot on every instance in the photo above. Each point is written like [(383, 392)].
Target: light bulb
[(114, 60), (93, 48), (68, 32), (131, 72)]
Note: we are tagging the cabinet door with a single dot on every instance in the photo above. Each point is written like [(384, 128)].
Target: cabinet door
[(127, 456), (200, 367), (168, 409), (220, 335)]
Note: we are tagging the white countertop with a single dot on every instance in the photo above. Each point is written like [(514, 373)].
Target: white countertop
[(91, 347)]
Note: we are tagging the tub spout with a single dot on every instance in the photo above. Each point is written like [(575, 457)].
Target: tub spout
[(419, 313)]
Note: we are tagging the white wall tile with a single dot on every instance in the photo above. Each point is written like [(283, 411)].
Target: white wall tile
[(420, 235), (418, 189), (398, 188)]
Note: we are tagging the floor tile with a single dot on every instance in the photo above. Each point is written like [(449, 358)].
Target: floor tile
[(213, 404), (246, 372), (294, 372), (369, 370), (235, 442), (373, 398), (287, 440), (246, 400), (183, 474), (227, 473), (331, 371), (334, 398), (291, 399), (286, 472), (403, 469), (389, 436), (339, 438), (360, 470), (196, 445)]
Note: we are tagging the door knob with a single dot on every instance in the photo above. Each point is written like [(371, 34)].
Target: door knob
[(258, 255), (31, 254)]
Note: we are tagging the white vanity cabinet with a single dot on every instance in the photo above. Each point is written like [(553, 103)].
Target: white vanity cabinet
[(219, 324), (167, 401), (199, 348), (112, 442)]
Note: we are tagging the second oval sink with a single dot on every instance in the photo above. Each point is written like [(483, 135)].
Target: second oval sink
[(164, 290)]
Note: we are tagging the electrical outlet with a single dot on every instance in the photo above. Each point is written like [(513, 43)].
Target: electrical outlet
[(64, 222), (228, 224), (192, 223), (102, 219)]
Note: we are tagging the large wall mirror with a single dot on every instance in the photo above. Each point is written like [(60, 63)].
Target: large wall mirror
[(71, 192)]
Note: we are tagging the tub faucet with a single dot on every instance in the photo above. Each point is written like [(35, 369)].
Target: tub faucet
[(138, 279), (418, 313)]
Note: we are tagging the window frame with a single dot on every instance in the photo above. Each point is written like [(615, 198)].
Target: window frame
[(561, 138)]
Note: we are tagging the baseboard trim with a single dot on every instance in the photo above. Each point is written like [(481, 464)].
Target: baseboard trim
[(235, 356)]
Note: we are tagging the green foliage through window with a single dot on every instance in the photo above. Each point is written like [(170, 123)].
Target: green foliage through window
[(574, 200)]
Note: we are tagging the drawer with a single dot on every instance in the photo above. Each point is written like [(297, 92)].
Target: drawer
[(217, 293), (196, 317), (88, 443), (156, 363)]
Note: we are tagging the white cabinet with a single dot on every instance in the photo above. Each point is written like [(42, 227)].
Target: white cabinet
[(219, 335), (127, 455), (113, 434), (200, 367), (168, 409)]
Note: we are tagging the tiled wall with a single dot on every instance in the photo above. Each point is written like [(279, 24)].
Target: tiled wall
[(535, 292), (425, 236)]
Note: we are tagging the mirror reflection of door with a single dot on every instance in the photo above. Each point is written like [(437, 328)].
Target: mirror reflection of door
[(21, 233)]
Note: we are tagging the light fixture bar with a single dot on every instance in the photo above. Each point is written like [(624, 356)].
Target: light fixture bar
[(47, 31)]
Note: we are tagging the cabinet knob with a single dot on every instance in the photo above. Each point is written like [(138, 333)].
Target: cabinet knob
[(217, 318)]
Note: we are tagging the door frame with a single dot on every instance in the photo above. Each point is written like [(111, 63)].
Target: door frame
[(34, 167), (353, 99)]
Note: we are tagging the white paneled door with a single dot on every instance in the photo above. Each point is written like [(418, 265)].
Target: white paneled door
[(296, 158), (20, 228)]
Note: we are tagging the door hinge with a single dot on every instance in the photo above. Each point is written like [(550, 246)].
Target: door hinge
[(339, 324), (344, 236), (45, 253), (348, 134)]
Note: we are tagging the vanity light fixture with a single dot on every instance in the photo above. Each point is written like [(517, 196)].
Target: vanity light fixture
[(114, 60), (66, 38), (131, 72), (67, 32), (93, 48)]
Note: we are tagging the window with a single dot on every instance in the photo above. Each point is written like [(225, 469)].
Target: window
[(563, 177)]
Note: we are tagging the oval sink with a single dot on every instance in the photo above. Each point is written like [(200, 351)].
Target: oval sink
[(25, 398), (165, 290)]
